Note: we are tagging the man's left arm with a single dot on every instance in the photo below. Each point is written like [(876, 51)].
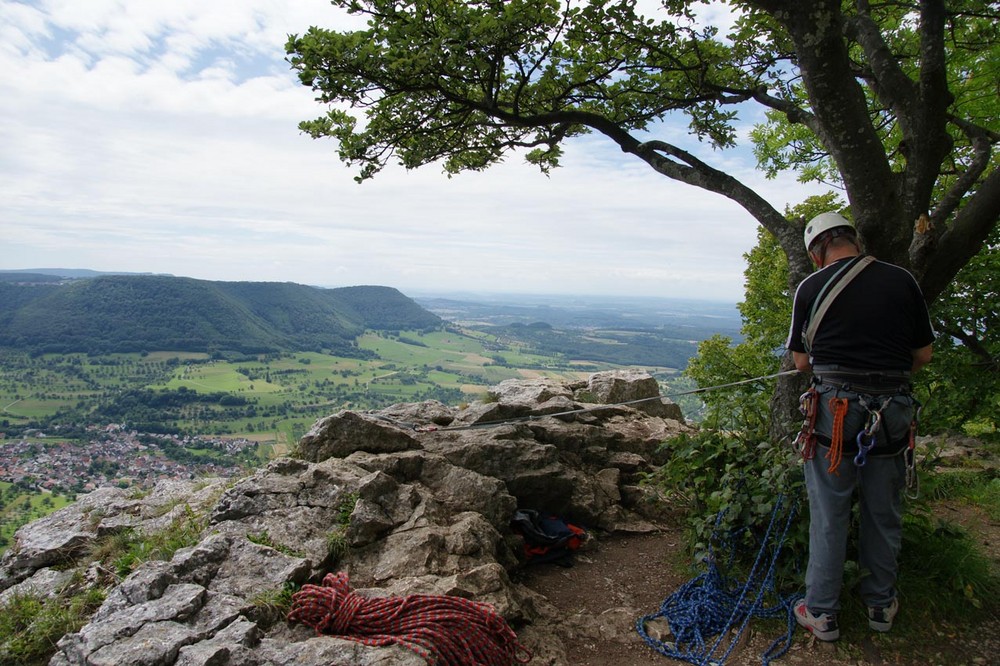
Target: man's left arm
[(921, 357)]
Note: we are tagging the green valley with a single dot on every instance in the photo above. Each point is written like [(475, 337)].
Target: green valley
[(272, 397), (91, 393)]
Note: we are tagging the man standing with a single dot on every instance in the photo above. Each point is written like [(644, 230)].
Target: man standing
[(870, 331)]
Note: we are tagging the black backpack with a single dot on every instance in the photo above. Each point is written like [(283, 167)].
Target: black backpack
[(547, 538)]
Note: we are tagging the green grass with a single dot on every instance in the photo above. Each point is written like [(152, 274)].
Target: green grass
[(269, 607), (977, 487), (947, 584), (336, 541), (217, 376), (946, 588), (264, 539), (30, 625), (37, 387), (127, 550)]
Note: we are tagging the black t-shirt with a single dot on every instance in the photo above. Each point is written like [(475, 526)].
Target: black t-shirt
[(875, 323)]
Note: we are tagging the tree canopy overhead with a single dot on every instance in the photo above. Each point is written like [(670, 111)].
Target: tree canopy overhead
[(897, 103)]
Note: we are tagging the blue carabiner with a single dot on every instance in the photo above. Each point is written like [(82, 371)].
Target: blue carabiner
[(863, 449)]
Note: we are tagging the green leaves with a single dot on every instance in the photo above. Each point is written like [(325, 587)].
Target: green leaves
[(463, 83), (962, 384)]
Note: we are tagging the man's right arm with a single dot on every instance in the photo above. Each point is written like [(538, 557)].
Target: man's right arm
[(801, 360)]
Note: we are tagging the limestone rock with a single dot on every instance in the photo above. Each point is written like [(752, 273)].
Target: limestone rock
[(426, 413), (43, 583), (346, 432), (67, 533), (529, 392), (636, 387)]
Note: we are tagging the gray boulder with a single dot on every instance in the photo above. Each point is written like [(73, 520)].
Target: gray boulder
[(635, 387), (344, 433)]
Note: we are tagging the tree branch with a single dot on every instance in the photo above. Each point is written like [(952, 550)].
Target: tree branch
[(963, 239), (890, 83), (974, 345), (687, 168), (792, 111)]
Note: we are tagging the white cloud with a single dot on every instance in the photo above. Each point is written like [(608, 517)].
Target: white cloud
[(162, 136)]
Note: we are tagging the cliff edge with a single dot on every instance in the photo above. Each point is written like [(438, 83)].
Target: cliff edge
[(411, 499)]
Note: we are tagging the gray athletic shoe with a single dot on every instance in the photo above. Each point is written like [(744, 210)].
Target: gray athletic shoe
[(822, 626), (880, 619)]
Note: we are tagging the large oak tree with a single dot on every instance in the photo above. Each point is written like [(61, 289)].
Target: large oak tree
[(895, 102)]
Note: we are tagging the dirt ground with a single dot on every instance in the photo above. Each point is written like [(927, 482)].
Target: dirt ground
[(617, 579)]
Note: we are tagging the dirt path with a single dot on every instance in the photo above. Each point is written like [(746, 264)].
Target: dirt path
[(618, 579)]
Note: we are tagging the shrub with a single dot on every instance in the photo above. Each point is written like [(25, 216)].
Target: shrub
[(731, 489)]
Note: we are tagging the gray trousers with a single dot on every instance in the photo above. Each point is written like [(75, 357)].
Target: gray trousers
[(880, 483)]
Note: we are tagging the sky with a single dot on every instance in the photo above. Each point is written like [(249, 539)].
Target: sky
[(152, 136)]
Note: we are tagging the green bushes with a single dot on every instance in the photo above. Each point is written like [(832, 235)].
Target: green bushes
[(731, 488)]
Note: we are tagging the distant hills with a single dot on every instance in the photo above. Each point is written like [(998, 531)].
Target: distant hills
[(43, 313)]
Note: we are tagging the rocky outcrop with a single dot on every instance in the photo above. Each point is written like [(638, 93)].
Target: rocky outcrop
[(411, 499)]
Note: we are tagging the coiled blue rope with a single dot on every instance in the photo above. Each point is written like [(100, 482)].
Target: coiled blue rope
[(711, 604)]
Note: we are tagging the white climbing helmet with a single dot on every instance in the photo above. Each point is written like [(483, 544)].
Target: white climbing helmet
[(823, 223)]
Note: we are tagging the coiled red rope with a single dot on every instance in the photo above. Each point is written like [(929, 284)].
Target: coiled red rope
[(444, 630)]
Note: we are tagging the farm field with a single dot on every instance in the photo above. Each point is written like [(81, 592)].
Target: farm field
[(271, 399)]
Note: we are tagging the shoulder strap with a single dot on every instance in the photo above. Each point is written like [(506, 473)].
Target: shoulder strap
[(826, 298)]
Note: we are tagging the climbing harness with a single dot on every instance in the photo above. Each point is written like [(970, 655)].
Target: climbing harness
[(711, 604), (443, 630), (858, 409)]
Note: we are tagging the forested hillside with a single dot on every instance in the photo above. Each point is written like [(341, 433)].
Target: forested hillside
[(151, 312)]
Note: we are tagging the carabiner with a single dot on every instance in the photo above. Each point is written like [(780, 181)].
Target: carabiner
[(912, 480), (874, 423), (862, 457), (807, 402)]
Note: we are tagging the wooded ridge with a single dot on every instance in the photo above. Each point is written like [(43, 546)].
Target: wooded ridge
[(135, 313)]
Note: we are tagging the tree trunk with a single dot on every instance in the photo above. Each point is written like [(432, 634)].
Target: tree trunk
[(786, 419)]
